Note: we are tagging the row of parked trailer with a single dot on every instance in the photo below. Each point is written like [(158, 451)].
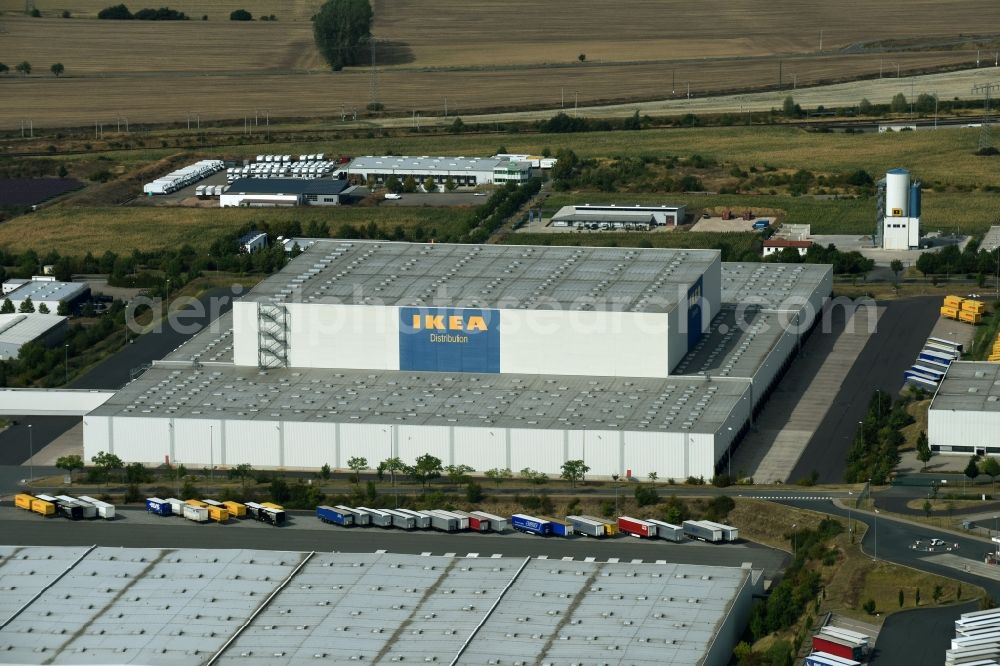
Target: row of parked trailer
[(834, 646), (74, 508), (977, 639), (181, 178), (408, 519), (205, 510), (206, 191), (309, 169), (932, 363), (480, 521)]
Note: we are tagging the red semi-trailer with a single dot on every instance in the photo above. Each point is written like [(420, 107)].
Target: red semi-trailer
[(636, 527), (838, 646)]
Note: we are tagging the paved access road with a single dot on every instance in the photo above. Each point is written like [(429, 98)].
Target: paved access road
[(918, 637), (889, 539), (115, 371), (902, 331), (177, 533)]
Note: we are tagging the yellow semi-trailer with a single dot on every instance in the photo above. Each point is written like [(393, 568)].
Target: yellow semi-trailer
[(43, 507), (22, 501), (219, 515), (236, 510)]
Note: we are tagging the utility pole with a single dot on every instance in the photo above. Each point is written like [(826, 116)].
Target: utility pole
[(373, 93), (673, 82), (987, 90), (779, 75), (821, 40)]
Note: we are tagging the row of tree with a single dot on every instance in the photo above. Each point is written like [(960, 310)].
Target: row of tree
[(950, 259), (24, 67), (875, 450), (122, 13)]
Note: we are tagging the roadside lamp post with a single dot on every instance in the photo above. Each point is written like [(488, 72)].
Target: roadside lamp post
[(31, 459), (794, 540), (876, 535), (614, 477), (66, 349), (850, 525), (995, 524)]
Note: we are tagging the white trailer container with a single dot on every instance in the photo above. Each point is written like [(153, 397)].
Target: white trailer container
[(668, 531), (497, 523), (198, 514), (401, 520), (360, 517), (380, 518), (104, 510), (696, 529), (443, 521), (729, 533), (463, 520), (421, 520), (473, 522), (88, 509), (586, 526), (176, 505)]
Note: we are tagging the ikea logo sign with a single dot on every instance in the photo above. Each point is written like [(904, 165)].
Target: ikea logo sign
[(449, 339), (439, 322)]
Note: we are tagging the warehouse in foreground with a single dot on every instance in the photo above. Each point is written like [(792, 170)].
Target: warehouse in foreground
[(152, 606), (964, 416), (633, 360)]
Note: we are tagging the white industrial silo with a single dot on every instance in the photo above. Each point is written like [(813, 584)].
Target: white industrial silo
[(897, 193)]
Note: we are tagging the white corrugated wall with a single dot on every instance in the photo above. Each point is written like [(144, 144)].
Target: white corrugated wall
[(564, 342), (271, 444), (947, 427), (362, 337), (245, 333)]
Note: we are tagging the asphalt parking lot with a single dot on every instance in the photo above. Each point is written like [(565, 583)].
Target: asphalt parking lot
[(136, 528), (436, 199)]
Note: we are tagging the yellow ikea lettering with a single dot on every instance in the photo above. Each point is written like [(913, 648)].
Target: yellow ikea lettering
[(454, 323)]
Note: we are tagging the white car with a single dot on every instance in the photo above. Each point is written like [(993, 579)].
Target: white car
[(390, 195), (937, 542)]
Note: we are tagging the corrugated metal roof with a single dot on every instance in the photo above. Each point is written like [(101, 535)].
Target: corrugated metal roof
[(494, 276), (969, 386), (153, 606), (19, 329), (389, 163), (304, 186), (682, 404), (48, 290)]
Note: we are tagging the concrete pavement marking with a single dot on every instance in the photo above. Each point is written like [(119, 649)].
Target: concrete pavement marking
[(68, 443), (771, 453), (960, 563)]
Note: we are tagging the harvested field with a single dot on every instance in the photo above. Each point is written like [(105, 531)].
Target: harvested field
[(76, 231), (169, 97), (31, 191), (153, 72)]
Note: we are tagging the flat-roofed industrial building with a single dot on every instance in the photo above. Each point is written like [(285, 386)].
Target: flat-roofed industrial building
[(639, 361), (964, 416), (462, 171)]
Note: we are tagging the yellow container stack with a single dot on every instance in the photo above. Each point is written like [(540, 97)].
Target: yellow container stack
[(23, 501), (969, 317), (949, 312), (953, 302), (995, 352), (969, 305)]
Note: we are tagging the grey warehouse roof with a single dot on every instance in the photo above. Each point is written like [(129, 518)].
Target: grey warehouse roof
[(152, 606), (48, 290), (991, 240), (288, 186), (23, 328), (494, 276), (686, 404), (771, 286), (387, 163), (969, 386)]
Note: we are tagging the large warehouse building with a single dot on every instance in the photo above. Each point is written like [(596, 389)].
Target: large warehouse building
[(964, 416), (463, 171), (175, 606), (635, 360)]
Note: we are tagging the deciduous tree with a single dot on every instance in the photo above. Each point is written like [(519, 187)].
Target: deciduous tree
[(342, 30)]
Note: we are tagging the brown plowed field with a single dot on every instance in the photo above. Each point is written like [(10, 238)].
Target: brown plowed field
[(478, 56)]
